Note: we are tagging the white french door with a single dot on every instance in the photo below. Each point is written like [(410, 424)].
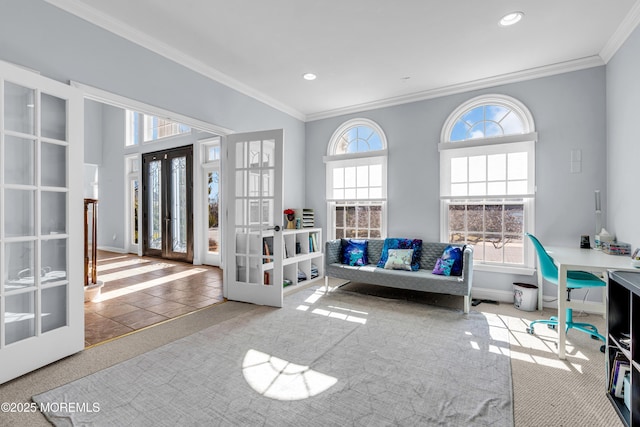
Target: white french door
[(41, 212), (253, 241)]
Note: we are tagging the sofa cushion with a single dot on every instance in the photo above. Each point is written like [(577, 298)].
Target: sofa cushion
[(354, 252), (443, 267), (399, 259), (453, 253), (395, 243)]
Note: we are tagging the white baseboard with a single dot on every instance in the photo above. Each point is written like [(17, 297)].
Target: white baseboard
[(110, 249), (507, 297), (492, 294)]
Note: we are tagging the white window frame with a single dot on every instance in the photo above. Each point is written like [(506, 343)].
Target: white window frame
[(366, 158), (132, 171), (524, 142), (141, 131), (211, 165)]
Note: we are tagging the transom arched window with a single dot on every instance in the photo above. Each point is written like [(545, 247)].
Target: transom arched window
[(487, 116), (356, 165), (358, 138), (487, 179)]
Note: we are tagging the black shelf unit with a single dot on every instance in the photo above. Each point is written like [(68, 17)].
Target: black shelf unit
[(623, 312)]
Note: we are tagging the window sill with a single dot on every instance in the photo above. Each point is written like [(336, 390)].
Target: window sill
[(525, 271)]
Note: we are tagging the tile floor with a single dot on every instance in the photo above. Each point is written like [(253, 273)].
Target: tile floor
[(141, 291)]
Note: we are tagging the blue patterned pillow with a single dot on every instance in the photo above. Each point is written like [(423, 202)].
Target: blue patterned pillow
[(392, 243), (443, 267), (354, 252), (454, 253)]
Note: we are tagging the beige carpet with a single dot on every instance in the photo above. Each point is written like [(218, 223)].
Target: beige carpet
[(547, 391), (336, 359)]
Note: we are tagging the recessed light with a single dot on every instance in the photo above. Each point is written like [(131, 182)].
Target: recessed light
[(511, 18), (309, 76)]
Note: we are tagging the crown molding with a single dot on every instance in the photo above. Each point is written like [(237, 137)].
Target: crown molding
[(518, 76), (95, 17), (629, 23)]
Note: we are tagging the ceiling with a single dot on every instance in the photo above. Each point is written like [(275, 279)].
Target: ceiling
[(366, 53)]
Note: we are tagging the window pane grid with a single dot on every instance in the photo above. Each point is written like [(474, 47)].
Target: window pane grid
[(494, 228), (357, 182), (141, 127), (486, 121), (490, 175), (358, 221)]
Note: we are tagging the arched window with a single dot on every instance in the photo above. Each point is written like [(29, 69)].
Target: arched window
[(487, 179), (356, 165)]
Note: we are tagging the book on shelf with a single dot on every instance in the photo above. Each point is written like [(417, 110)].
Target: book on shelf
[(267, 251), (619, 367), (619, 387)]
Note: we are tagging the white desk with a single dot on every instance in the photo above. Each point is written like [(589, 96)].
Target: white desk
[(578, 259)]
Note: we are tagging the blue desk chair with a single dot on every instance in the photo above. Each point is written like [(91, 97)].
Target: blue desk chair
[(575, 280)]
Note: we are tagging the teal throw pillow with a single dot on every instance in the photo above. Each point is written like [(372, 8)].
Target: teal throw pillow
[(443, 267), (395, 243), (354, 252), (454, 253)]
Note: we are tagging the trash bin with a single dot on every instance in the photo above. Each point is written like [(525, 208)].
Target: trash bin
[(525, 296)]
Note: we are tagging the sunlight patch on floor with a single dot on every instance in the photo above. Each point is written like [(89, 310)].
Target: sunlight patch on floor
[(148, 284), (282, 380), (121, 264), (543, 342), (131, 272)]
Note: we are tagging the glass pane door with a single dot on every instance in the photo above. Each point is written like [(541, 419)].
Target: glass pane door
[(41, 290), (167, 204), (253, 246), (154, 205)]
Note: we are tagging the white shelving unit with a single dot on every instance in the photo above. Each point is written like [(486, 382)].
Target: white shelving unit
[(303, 262)]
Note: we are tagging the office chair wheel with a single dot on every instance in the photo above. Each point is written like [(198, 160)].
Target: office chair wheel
[(551, 326), (530, 331), (602, 348)]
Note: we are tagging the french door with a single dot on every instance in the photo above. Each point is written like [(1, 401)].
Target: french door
[(41, 209), (167, 204), (253, 248)]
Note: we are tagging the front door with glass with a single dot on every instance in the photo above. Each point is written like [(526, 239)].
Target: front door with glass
[(167, 204)]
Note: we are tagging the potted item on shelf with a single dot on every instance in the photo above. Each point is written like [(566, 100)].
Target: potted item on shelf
[(291, 218)]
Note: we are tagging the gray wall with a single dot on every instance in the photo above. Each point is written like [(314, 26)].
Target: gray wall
[(63, 47), (569, 113), (623, 148)]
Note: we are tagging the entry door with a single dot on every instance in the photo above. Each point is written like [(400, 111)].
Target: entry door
[(41, 241), (253, 249), (167, 186)]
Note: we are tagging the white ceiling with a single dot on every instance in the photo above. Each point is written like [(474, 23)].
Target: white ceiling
[(367, 53)]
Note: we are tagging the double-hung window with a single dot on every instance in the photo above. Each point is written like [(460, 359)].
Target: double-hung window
[(487, 179), (356, 166)]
